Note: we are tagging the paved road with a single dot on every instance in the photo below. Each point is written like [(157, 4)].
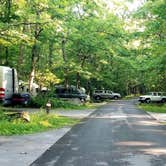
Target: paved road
[(117, 134)]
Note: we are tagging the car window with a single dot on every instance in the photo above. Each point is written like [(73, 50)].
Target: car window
[(17, 95), (154, 94), (98, 91), (61, 90), (75, 91), (69, 90)]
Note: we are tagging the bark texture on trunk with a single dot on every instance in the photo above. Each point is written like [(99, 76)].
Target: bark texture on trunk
[(78, 80), (66, 82), (35, 52), (51, 44)]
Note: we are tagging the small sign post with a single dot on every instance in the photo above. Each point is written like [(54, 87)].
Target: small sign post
[(48, 107)]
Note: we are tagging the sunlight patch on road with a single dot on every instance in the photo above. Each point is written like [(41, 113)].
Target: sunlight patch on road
[(74, 135), (135, 143), (149, 123), (52, 162), (75, 148), (136, 116), (156, 131), (117, 104), (102, 163), (118, 116), (155, 151), (108, 116)]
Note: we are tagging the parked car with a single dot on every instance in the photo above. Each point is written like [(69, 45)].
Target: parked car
[(105, 94), (21, 98), (153, 97), (8, 84), (70, 92)]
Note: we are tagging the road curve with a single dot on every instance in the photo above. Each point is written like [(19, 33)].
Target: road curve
[(117, 134)]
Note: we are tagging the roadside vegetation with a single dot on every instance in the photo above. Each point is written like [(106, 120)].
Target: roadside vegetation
[(158, 108), (38, 122), (40, 102), (131, 96)]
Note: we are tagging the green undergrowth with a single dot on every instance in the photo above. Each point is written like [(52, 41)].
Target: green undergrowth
[(38, 122), (55, 103), (132, 96), (40, 102), (84, 106), (158, 108)]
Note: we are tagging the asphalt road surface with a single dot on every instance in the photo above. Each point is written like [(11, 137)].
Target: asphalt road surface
[(117, 134)]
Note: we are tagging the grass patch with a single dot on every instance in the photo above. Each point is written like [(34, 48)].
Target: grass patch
[(84, 106), (158, 108), (39, 122), (132, 96), (40, 102)]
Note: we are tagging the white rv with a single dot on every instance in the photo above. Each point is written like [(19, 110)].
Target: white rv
[(8, 84)]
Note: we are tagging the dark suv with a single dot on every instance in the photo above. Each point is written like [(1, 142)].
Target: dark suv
[(70, 92)]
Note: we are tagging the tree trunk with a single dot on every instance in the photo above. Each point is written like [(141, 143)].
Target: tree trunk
[(20, 58), (34, 58), (35, 52), (6, 56), (88, 87), (66, 83), (78, 80), (33, 65), (1, 51), (7, 16), (51, 44), (8, 10), (20, 54), (31, 79)]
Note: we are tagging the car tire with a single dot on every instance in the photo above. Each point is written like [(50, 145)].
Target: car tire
[(97, 98), (148, 101), (115, 97), (26, 102), (163, 100), (82, 100)]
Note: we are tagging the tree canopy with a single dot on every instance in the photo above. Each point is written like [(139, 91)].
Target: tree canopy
[(93, 44)]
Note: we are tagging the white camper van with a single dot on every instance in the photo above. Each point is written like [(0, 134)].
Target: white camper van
[(8, 84)]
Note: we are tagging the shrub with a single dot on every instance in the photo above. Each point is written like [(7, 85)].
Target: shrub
[(40, 102)]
